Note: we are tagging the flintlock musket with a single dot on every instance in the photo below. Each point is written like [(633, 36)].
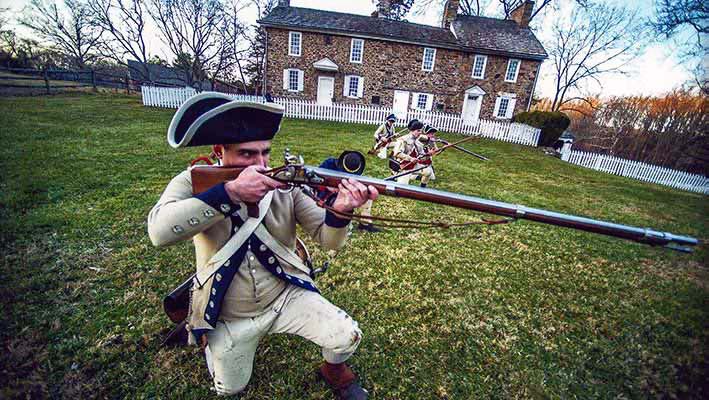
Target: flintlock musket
[(298, 175)]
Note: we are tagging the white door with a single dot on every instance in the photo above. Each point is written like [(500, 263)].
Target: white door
[(326, 89), (472, 108), (401, 103)]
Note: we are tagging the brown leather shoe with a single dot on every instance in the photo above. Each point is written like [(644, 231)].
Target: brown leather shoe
[(342, 381)]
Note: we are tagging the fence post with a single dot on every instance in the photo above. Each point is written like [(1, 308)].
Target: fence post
[(127, 79), (93, 79), (46, 80)]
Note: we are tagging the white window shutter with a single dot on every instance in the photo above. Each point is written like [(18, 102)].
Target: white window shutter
[(429, 102), (360, 87), (346, 86), (285, 79), (510, 108), (497, 106), (300, 80)]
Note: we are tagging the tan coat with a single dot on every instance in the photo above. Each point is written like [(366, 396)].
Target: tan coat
[(179, 216)]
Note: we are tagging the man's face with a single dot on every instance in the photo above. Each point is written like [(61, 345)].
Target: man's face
[(416, 133), (245, 154)]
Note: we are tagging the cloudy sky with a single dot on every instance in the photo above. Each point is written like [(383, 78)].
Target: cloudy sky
[(656, 71)]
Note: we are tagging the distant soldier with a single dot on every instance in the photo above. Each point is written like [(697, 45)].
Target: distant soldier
[(407, 151), (383, 136)]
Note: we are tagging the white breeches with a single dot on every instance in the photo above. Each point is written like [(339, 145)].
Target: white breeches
[(232, 344), (425, 173)]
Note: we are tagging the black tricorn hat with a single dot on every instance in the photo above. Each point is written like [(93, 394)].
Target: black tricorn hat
[(352, 162), (413, 121), (429, 129), (415, 125), (215, 118), (391, 117)]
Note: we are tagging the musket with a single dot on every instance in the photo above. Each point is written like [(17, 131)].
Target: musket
[(383, 142), (464, 150), (298, 175), (430, 154)]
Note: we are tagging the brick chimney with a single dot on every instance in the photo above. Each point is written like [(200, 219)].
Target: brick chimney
[(450, 12), (383, 8), (523, 13), (283, 3)]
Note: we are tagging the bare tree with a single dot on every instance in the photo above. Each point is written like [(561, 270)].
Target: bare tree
[(254, 65), (228, 64), (69, 30), (467, 7), (191, 29), (671, 17), (123, 22), (595, 41)]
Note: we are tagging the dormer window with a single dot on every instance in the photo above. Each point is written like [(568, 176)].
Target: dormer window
[(512, 70), (356, 51), (295, 43)]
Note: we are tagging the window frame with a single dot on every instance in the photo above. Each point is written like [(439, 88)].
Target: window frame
[(291, 72), (507, 71), (484, 66), (347, 87), (416, 99), (433, 59), (361, 50), (291, 35)]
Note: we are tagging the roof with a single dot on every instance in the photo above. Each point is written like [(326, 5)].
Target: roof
[(488, 35), (497, 35)]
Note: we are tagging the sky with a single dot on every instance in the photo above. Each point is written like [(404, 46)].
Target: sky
[(656, 71)]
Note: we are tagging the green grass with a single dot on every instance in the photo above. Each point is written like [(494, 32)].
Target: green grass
[(515, 311)]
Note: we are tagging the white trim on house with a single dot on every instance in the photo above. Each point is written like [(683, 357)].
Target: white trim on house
[(473, 98), (484, 66), (326, 64), (288, 83), (361, 51), (433, 59), (291, 39), (504, 105), (416, 101), (347, 88), (507, 71)]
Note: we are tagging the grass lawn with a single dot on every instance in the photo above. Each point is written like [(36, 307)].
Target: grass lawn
[(515, 311)]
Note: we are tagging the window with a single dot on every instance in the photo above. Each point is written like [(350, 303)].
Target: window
[(512, 69), (293, 80), (422, 101), (327, 39), (356, 50), (376, 100), (353, 87), (440, 106), (504, 106), (479, 63), (429, 57), (294, 43)]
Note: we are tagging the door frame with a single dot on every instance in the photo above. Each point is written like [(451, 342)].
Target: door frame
[(475, 90), (317, 94)]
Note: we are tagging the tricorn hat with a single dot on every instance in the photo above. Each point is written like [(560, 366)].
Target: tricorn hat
[(391, 117), (215, 118), (415, 125), (429, 130), (413, 121)]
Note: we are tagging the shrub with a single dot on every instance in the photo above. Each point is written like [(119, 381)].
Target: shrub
[(552, 124)]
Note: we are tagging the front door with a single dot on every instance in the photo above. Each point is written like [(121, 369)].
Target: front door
[(401, 103), (472, 108), (326, 90)]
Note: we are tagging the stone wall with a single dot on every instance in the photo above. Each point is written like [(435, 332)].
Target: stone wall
[(389, 66)]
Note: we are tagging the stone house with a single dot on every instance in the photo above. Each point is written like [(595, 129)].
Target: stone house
[(476, 66)]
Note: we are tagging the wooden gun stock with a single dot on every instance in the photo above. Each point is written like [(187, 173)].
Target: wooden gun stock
[(204, 177)]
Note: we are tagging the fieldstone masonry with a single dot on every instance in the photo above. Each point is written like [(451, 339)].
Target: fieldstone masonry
[(389, 66)]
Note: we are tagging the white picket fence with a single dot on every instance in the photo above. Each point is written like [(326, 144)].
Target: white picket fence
[(360, 114), (639, 170)]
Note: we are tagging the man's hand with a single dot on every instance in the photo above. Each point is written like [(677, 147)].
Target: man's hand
[(352, 194), (251, 185)]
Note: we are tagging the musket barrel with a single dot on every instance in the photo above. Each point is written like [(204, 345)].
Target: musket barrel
[(642, 235)]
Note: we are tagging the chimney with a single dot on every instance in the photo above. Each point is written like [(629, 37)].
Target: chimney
[(383, 8), (523, 13), (450, 12), (283, 3)]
